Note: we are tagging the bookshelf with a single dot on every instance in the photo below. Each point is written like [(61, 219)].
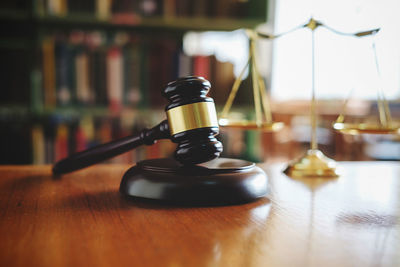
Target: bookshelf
[(79, 73)]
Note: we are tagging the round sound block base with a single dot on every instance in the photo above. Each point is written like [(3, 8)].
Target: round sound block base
[(218, 182)]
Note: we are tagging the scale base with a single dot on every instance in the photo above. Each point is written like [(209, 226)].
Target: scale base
[(218, 182), (313, 164)]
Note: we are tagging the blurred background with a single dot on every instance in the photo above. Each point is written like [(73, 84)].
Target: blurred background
[(75, 74)]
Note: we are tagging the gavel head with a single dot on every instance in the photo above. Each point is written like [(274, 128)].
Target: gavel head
[(192, 120)]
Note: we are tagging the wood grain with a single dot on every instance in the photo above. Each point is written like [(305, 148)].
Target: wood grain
[(82, 220)]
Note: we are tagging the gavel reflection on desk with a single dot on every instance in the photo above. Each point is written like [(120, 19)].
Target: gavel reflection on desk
[(191, 123)]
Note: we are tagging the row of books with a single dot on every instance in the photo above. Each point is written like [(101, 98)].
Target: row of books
[(86, 68), (132, 10), (91, 68)]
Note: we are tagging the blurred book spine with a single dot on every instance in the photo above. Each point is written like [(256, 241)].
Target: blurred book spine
[(49, 78), (38, 146)]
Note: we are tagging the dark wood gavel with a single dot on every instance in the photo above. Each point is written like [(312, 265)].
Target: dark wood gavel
[(191, 123)]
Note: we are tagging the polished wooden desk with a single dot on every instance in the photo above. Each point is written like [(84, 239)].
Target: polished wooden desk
[(82, 220)]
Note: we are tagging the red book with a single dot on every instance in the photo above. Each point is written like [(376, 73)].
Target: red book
[(201, 66), (49, 74), (115, 79), (80, 137), (61, 142)]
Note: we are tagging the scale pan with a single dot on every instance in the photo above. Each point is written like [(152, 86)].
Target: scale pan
[(366, 128), (251, 125)]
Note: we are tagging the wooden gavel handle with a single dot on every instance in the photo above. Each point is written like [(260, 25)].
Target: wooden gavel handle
[(105, 151)]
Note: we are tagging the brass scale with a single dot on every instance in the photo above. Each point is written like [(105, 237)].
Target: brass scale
[(314, 163)]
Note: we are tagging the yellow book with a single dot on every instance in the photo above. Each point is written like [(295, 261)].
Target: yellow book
[(103, 9)]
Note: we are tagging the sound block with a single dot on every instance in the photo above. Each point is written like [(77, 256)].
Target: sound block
[(221, 181)]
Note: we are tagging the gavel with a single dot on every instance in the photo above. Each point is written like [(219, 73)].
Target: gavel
[(191, 123)]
